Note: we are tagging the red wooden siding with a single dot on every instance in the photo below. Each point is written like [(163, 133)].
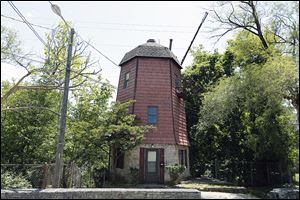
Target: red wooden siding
[(152, 83)]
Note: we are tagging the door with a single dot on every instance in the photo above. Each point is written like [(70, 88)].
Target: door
[(152, 171)]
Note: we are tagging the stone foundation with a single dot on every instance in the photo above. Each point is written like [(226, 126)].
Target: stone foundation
[(131, 159)]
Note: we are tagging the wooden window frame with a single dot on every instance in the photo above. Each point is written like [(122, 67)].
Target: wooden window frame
[(126, 81), (182, 154), (152, 115)]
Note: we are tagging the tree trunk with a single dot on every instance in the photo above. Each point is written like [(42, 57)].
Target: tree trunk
[(258, 25)]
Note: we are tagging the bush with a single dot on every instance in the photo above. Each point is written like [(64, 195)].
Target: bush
[(99, 176), (36, 177), (134, 172), (175, 171), (9, 180)]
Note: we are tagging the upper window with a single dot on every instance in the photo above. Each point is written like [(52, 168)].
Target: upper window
[(177, 81), (152, 115), (126, 80)]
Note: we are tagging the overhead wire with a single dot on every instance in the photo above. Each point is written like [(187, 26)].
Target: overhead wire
[(26, 22), (32, 29), (89, 44)]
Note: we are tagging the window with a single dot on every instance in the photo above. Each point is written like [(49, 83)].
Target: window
[(152, 115), (126, 80), (177, 81), (119, 158), (183, 157), (151, 167)]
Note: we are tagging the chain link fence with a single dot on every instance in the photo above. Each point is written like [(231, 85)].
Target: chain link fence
[(42, 175), (246, 173)]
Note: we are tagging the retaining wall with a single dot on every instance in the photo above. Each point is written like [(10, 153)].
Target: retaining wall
[(101, 193)]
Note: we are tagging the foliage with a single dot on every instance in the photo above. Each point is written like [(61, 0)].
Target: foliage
[(99, 175), (134, 173), (123, 130), (28, 127), (206, 69), (9, 44), (36, 176), (29, 117), (175, 171), (10, 180), (248, 115), (244, 117)]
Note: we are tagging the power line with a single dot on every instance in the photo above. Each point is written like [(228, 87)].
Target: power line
[(115, 29), (126, 24), (115, 45), (141, 30), (26, 22), (97, 50), (52, 5), (26, 58)]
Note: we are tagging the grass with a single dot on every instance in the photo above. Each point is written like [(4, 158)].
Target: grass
[(261, 192), (211, 187)]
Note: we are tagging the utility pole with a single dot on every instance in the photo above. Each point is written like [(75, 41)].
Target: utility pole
[(63, 113)]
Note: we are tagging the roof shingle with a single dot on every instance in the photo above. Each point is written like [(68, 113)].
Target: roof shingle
[(149, 49)]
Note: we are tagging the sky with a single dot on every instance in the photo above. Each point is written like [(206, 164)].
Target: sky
[(114, 28)]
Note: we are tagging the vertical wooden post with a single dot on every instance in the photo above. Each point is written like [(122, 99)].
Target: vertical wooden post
[(45, 176), (216, 168), (251, 170), (142, 165), (268, 173)]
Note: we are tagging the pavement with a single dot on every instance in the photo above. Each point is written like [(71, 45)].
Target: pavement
[(223, 195)]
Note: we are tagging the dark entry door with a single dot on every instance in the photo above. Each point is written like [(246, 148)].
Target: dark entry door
[(152, 170)]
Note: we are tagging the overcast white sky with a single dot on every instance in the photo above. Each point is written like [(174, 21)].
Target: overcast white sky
[(115, 27)]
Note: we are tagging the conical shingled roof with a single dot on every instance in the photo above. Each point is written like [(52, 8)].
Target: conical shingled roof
[(149, 49)]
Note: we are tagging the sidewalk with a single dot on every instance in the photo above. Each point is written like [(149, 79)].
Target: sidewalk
[(223, 195)]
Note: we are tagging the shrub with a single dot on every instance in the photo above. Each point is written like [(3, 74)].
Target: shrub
[(36, 177), (99, 176), (175, 171), (134, 172), (9, 180)]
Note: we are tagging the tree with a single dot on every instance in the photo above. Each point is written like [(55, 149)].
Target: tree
[(246, 116), (29, 126), (206, 70), (273, 23), (123, 131), (48, 75), (21, 100), (9, 44), (88, 112), (241, 15)]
